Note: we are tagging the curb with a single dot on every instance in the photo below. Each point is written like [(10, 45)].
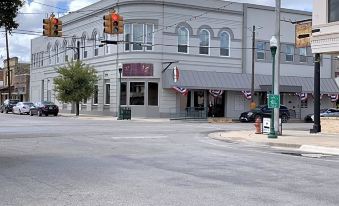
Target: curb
[(299, 147)]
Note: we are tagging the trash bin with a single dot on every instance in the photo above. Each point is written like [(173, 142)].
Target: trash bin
[(125, 113)]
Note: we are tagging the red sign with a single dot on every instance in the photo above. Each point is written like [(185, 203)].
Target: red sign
[(137, 70)]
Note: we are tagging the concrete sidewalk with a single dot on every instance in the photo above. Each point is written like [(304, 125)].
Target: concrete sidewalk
[(111, 118), (300, 140)]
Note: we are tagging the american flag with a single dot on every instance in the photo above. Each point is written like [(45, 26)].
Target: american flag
[(216, 93)]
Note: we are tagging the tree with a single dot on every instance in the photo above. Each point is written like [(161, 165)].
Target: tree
[(75, 83), (8, 11)]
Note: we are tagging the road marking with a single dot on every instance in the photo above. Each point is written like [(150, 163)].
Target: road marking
[(141, 137)]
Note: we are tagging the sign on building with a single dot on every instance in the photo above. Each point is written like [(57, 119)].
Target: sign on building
[(303, 32)]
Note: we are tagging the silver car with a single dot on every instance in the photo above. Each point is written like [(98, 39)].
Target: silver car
[(332, 112), (22, 107)]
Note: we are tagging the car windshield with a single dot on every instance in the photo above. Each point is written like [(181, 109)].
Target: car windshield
[(30, 104), (13, 101), (47, 103), (323, 110)]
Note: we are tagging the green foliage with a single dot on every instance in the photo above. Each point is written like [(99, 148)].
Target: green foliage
[(75, 82), (8, 12)]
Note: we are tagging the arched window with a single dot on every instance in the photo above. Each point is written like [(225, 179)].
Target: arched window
[(107, 46), (56, 52), (64, 48), (49, 53), (83, 45), (204, 37), (73, 45), (95, 38), (225, 42), (183, 40)]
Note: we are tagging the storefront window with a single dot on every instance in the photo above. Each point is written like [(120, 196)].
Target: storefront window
[(152, 94), (123, 94), (95, 95), (137, 93), (198, 99)]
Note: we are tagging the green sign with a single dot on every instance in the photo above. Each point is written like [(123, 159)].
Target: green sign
[(273, 101)]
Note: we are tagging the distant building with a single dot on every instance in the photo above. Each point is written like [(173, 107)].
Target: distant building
[(181, 56), (20, 78)]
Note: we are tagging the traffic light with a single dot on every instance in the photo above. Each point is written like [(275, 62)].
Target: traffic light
[(118, 24), (56, 30), (108, 24), (47, 27)]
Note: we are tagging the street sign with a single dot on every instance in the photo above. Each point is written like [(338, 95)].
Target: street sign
[(273, 101)]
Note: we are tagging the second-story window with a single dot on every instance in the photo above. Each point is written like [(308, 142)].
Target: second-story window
[(139, 37), (260, 51), (127, 36), (95, 44), (302, 55), (49, 54), (56, 49), (183, 40), (289, 55), (225, 44), (204, 37), (83, 45), (333, 10)]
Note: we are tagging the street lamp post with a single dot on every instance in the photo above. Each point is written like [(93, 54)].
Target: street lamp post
[(119, 110), (273, 46)]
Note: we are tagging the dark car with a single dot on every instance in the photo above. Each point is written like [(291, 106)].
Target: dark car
[(332, 112), (44, 108), (264, 111), (8, 105)]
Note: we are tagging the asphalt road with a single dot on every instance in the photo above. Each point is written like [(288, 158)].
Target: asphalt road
[(70, 161)]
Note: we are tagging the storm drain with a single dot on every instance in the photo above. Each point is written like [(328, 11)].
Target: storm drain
[(309, 155)]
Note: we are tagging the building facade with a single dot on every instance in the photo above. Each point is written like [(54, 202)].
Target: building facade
[(179, 56), (19, 79)]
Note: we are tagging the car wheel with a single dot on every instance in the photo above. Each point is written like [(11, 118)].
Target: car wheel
[(39, 113), (284, 118), (6, 111), (30, 113), (55, 114), (20, 112), (2, 111)]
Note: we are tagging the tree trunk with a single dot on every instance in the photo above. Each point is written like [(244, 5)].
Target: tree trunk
[(77, 109)]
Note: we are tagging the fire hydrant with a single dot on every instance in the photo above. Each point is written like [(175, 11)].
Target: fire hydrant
[(257, 125)]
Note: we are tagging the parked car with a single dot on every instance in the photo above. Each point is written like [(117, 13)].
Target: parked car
[(22, 107), (263, 111), (8, 105), (44, 108), (323, 113)]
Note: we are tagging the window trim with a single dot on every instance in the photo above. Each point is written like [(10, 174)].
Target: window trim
[(105, 94), (96, 104), (209, 43), (260, 51), (293, 51), (148, 105), (229, 44), (187, 43)]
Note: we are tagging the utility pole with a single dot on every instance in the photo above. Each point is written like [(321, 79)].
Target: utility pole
[(253, 64), (316, 126), (277, 60), (8, 68)]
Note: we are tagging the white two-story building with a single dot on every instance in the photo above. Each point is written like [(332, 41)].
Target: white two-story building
[(208, 42)]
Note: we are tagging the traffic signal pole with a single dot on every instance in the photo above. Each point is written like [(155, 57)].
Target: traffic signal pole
[(317, 126), (8, 67)]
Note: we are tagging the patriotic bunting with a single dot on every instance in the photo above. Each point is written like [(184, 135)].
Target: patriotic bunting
[(247, 95), (216, 93), (334, 97), (182, 91)]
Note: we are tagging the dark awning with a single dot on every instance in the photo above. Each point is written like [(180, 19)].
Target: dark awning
[(242, 82)]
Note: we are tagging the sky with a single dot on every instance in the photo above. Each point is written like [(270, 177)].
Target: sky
[(38, 9)]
